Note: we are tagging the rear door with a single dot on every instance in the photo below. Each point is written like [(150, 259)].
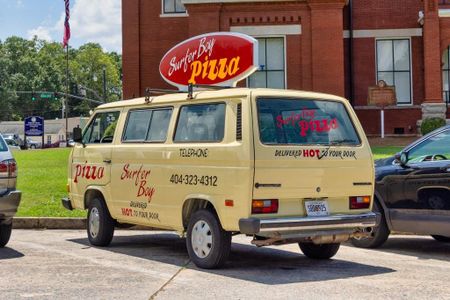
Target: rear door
[(309, 150)]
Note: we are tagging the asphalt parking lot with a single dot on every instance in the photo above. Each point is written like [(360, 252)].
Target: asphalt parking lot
[(60, 264)]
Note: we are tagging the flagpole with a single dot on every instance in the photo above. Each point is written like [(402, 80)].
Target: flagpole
[(67, 94)]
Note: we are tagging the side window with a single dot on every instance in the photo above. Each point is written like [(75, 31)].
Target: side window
[(102, 128), (149, 125), (159, 125), (434, 148), (201, 123)]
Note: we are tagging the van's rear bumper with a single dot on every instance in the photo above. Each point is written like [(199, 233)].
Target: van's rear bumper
[(280, 226)]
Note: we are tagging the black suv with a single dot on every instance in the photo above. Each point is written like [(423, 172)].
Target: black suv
[(412, 190), (9, 196)]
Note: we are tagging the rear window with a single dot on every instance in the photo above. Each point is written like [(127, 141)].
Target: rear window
[(304, 122), (3, 146)]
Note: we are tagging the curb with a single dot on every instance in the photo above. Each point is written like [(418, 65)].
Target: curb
[(48, 223), (60, 223)]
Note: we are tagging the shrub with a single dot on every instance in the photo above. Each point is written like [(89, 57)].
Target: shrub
[(430, 124)]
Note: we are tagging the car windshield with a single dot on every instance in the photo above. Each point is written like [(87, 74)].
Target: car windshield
[(434, 148), (3, 146), (305, 122)]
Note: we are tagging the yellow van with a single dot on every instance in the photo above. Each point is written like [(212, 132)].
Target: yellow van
[(281, 166)]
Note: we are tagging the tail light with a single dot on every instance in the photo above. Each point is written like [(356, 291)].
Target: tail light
[(359, 202), (8, 168), (265, 206)]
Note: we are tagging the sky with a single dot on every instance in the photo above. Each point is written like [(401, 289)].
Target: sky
[(98, 21)]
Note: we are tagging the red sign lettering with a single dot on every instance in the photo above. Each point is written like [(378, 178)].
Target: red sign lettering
[(88, 172), (220, 58)]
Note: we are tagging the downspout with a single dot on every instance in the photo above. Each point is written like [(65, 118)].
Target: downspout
[(350, 53)]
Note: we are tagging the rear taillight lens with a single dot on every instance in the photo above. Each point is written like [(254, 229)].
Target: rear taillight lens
[(265, 206), (8, 168), (359, 202)]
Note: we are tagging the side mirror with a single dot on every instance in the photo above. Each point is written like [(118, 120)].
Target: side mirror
[(77, 135), (403, 158)]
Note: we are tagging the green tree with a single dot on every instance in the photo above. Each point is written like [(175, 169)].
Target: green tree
[(37, 65)]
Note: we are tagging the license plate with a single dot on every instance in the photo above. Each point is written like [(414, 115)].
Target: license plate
[(316, 208)]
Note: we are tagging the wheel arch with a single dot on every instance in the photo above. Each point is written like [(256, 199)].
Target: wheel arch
[(385, 210), (423, 192), (193, 203), (93, 192)]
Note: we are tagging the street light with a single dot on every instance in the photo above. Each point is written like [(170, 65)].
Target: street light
[(94, 77)]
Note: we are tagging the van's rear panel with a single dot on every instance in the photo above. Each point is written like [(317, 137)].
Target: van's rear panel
[(309, 153)]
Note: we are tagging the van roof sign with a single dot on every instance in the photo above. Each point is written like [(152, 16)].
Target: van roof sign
[(218, 58)]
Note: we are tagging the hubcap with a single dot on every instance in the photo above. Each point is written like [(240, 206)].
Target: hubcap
[(94, 222), (201, 239)]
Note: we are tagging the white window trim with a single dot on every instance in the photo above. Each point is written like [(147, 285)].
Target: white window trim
[(171, 14), (383, 33), (285, 57), (410, 65), (174, 15)]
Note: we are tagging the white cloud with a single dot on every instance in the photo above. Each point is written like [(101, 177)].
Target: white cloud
[(41, 32), (98, 21)]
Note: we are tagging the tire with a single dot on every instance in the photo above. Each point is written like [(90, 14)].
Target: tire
[(379, 234), (100, 225), (323, 251), (207, 243), (33, 147), (441, 238), (5, 234)]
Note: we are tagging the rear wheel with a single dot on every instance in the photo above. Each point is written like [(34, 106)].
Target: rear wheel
[(441, 238), (5, 234), (207, 243), (323, 251), (379, 234), (100, 227)]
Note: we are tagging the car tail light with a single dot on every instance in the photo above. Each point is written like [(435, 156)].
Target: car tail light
[(359, 202), (265, 206), (8, 168)]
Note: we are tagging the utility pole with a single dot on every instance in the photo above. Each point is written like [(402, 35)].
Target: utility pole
[(104, 84)]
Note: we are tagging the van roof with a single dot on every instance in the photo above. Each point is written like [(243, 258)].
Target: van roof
[(222, 93)]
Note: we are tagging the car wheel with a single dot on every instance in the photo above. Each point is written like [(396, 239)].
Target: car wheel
[(207, 243), (5, 234), (441, 238), (323, 251), (33, 147), (379, 234), (100, 227)]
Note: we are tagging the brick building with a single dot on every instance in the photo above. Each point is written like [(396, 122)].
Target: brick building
[(342, 47)]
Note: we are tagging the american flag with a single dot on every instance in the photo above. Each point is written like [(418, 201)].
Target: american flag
[(66, 25)]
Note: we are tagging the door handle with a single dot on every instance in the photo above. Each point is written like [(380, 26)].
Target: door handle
[(107, 161)]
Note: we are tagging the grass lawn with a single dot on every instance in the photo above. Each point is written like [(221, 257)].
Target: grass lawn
[(43, 177), (42, 180), (382, 152)]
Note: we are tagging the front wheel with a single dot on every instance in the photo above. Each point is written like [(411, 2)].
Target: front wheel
[(323, 251), (100, 227), (207, 243), (5, 234), (441, 238)]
